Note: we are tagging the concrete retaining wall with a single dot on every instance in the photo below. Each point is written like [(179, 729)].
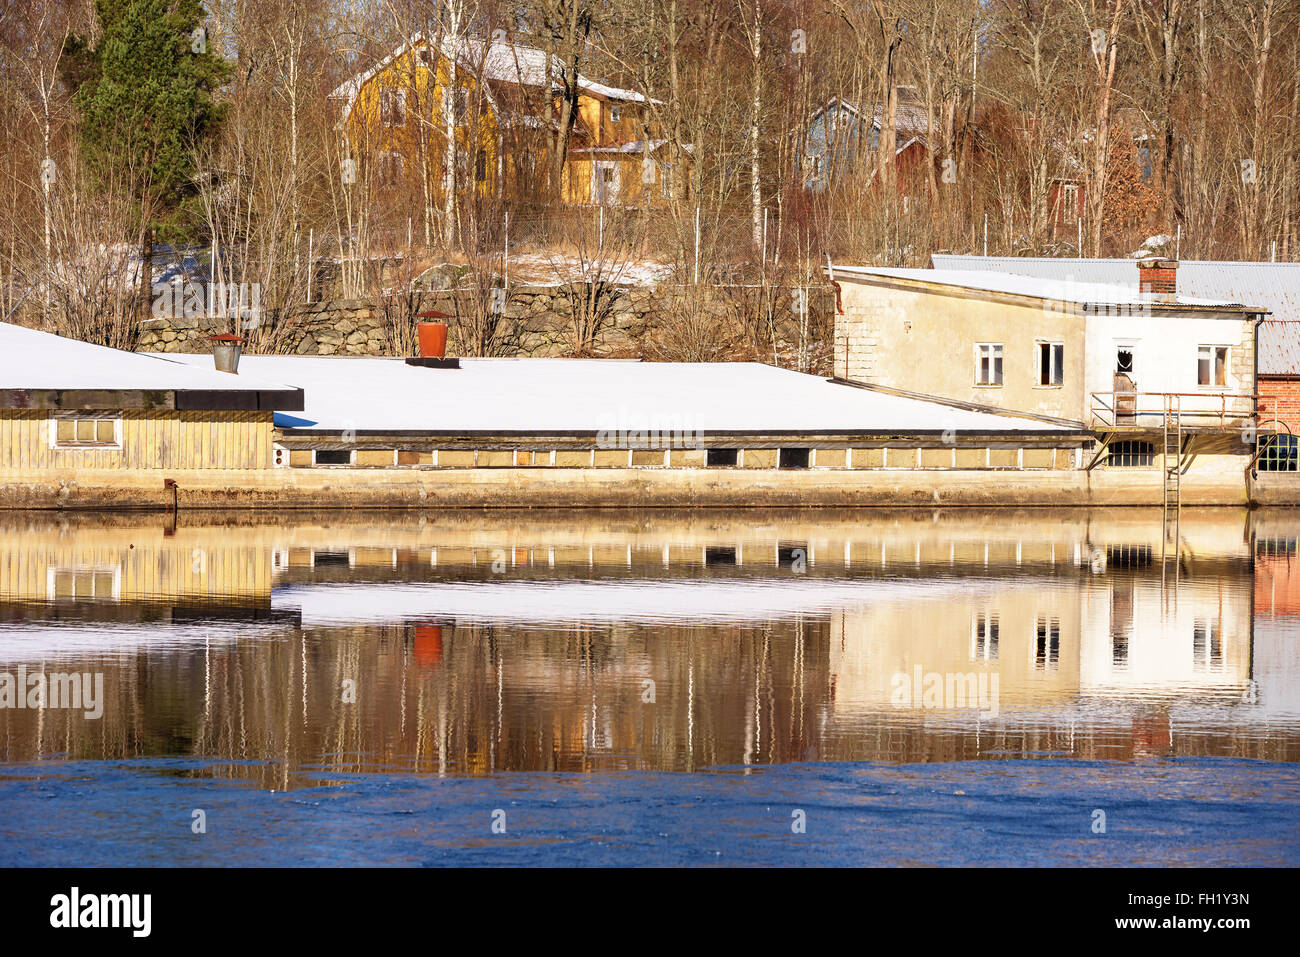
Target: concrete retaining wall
[(603, 488)]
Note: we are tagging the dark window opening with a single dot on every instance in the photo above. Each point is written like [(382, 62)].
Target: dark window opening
[(480, 167), (722, 457), (986, 638), (333, 456), (719, 556), (1051, 362), (1275, 547), (1124, 360), (329, 558), (1130, 454), (793, 459), (1128, 556), (1047, 654), (1119, 651), (792, 556)]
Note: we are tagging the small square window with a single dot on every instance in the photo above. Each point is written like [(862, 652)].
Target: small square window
[(104, 431), (1212, 365), (615, 114)]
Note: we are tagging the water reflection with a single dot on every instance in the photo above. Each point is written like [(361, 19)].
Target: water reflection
[(466, 644)]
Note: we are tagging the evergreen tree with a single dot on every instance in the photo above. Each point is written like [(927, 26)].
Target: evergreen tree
[(144, 92)]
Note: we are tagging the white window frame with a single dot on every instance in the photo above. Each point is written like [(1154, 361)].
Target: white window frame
[(1055, 364), (1070, 201), (52, 572), (996, 359), (1132, 350), (113, 417), (1213, 348)]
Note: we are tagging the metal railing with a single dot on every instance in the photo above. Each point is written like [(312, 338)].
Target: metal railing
[(1223, 410)]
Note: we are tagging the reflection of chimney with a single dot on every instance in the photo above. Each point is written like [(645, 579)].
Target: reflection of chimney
[(1158, 277), (225, 352)]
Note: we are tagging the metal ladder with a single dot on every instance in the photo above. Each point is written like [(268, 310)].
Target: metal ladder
[(1171, 460)]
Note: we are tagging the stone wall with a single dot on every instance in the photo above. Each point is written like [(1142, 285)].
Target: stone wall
[(533, 321)]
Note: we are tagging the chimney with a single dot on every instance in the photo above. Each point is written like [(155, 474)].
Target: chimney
[(1158, 277), (225, 352)]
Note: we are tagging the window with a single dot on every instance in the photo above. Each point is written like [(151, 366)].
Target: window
[(988, 367), (333, 457), (719, 555), (1069, 202), (1124, 359), (793, 459), (1047, 649), (1051, 363), (616, 114), (480, 167), (392, 168), (722, 457), (392, 107), (87, 432), (424, 56), (1207, 646), (1130, 453), (1279, 453), (84, 583), (1212, 365), (984, 638), (1129, 556)]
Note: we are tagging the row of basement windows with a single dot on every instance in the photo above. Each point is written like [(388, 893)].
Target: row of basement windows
[(784, 458), (1211, 363)]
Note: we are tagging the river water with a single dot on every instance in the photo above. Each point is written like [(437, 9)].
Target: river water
[(874, 687)]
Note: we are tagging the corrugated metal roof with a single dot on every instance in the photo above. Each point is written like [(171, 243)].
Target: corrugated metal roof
[(1279, 347), (1273, 286), (1051, 288)]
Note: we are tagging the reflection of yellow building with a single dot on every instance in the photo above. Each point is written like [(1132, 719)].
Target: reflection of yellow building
[(216, 565)]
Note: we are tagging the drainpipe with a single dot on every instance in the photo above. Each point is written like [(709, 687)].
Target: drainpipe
[(171, 484), (1251, 472)]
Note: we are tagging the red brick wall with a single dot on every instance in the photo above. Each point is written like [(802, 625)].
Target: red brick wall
[(1281, 396), (1277, 586)]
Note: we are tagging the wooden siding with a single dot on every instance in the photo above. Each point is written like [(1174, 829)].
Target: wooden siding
[(149, 440), (200, 565)]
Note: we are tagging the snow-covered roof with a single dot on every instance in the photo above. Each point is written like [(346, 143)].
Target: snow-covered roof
[(1274, 286), (41, 362), (587, 396), (499, 62), (1051, 288)]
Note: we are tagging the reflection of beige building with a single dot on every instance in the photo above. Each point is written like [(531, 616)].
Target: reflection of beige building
[(1119, 633)]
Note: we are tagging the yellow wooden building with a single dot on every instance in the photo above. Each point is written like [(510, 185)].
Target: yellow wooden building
[(68, 408), (504, 102)]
